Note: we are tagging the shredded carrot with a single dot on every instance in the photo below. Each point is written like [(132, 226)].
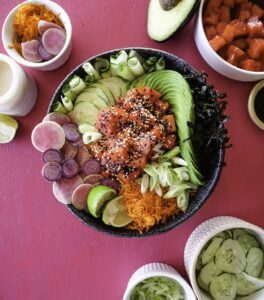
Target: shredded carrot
[(26, 22), (148, 209)]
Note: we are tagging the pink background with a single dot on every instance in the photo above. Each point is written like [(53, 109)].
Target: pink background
[(46, 253)]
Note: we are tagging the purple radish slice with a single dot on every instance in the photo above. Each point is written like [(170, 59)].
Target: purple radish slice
[(45, 55), (48, 135), (79, 143), (82, 155), (111, 182), (79, 196), (52, 171), (57, 117), (69, 150), (53, 40), (45, 25), (70, 168), (93, 179), (71, 132), (52, 155), (63, 189), (91, 166), (30, 51)]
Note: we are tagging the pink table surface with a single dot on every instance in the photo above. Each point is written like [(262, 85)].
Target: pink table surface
[(46, 253)]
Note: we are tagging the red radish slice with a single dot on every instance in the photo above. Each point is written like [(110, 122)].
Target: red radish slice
[(70, 168), (71, 132), (92, 179), (69, 150), (30, 51), (52, 155), (63, 189), (79, 196), (53, 40), (78, 143), (45, 55), (48, 135), (92, 166), (45, 25), (82, 155), (57, 117), (52, 171), (113, 183)]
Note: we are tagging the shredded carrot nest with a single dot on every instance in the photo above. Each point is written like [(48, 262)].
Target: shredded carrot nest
[(148, 209), (26, 22)]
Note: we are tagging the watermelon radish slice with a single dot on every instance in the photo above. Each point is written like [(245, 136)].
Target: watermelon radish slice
[(82, 155), (45, 55), (30, 51), (45, 25), (57, 117), (79, 196), (63, 189), (93, 179), (53, 40), (48, 135), (69, 150)]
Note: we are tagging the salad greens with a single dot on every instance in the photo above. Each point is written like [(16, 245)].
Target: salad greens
[(158, 288)]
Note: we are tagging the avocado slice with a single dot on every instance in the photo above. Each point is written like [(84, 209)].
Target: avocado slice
[(176, 91), (162, 24)]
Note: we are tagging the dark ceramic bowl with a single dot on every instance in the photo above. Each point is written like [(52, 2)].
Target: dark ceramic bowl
[(215, 161)]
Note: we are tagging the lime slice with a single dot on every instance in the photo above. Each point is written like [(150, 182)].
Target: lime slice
[(8, 128), (115, 213), (97, 197)]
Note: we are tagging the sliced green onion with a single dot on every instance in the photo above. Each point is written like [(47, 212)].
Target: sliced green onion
[(77, 85), (133, 53), (67, 103), (149, 64), (160, 64), (82, 128), (67, 92), (58, 107), (135, 66), (179, 161), (183, 200), (176, 190), (89, 78), (102, 65), (124, 72), (121, 57), (144, 183), (90, 137), (90, 70), (170, 154)]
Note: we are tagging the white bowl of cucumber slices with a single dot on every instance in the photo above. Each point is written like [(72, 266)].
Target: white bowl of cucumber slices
[(224, 260)]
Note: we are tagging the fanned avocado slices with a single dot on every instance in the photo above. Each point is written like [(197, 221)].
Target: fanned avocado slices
[(176, 91)]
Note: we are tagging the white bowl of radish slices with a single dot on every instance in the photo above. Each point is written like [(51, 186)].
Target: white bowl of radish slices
[(60, 53)]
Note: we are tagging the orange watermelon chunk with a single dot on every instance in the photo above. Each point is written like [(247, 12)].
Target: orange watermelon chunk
[(256, 48), (257, 11), (229, 33), (234, 55), (210, 31), (217, 42), (251, 65), (220, 27)]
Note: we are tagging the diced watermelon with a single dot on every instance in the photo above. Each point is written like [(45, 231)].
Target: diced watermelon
[(234, 55), (256, 48), (222, 52), (240, 43), (212, 4), (254, 27), (217, 42), (246, 6), (241, 1), (257, 11), (230, 3), (220, 27), (210, 31), (244, 15), (224, 13), (229, 33), (241, 28), (251, 65), (211, 19)]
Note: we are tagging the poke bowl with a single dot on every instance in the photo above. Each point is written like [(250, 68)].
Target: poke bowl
[(193, 149)]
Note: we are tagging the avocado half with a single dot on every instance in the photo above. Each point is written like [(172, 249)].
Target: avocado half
[(162, 24)]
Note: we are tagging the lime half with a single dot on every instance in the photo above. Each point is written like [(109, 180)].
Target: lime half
[(97, 197), (115, 213), (8, 128)]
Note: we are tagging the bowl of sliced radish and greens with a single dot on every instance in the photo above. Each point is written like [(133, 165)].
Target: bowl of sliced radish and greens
[(133, 141)]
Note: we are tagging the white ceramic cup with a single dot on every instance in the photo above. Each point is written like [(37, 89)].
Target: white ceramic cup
[(215, 60), (202, 234), (18, 91), (56, 61), (154, 270)]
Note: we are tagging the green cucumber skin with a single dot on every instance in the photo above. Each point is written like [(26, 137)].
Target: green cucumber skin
[(224, 287), (254, 262), (247, 241), (211, 250)]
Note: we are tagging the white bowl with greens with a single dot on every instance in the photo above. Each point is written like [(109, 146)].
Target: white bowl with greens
[(224, 258), (158, 281)]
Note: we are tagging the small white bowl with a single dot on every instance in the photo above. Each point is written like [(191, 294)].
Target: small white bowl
[(251, 104), (215, 60), (154, 270), (58, 60), (202, 234)]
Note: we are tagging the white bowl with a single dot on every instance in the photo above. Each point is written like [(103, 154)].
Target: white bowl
[(215, 60), (58, 60), (202, 234), (251, 104), (154, 270)]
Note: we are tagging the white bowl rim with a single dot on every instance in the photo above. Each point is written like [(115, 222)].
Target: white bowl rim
[(251, 104), (218, 57), (20, 58)]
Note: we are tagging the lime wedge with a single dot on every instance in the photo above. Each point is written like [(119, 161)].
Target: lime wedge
[(115, 213), (97, 197), (8, 128)]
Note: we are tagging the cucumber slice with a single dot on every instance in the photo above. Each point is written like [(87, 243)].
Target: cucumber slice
[(230, 257), (208, 272), (113, 87), (254, 262), (238, 232), (211, 250), (199, 264), (201, 284), (247, 241), (222, 235), (119, 82), (224, 287), (98, 92), (85, 112), (247, 284), (106, 90), (262, 274), (92, 98)]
